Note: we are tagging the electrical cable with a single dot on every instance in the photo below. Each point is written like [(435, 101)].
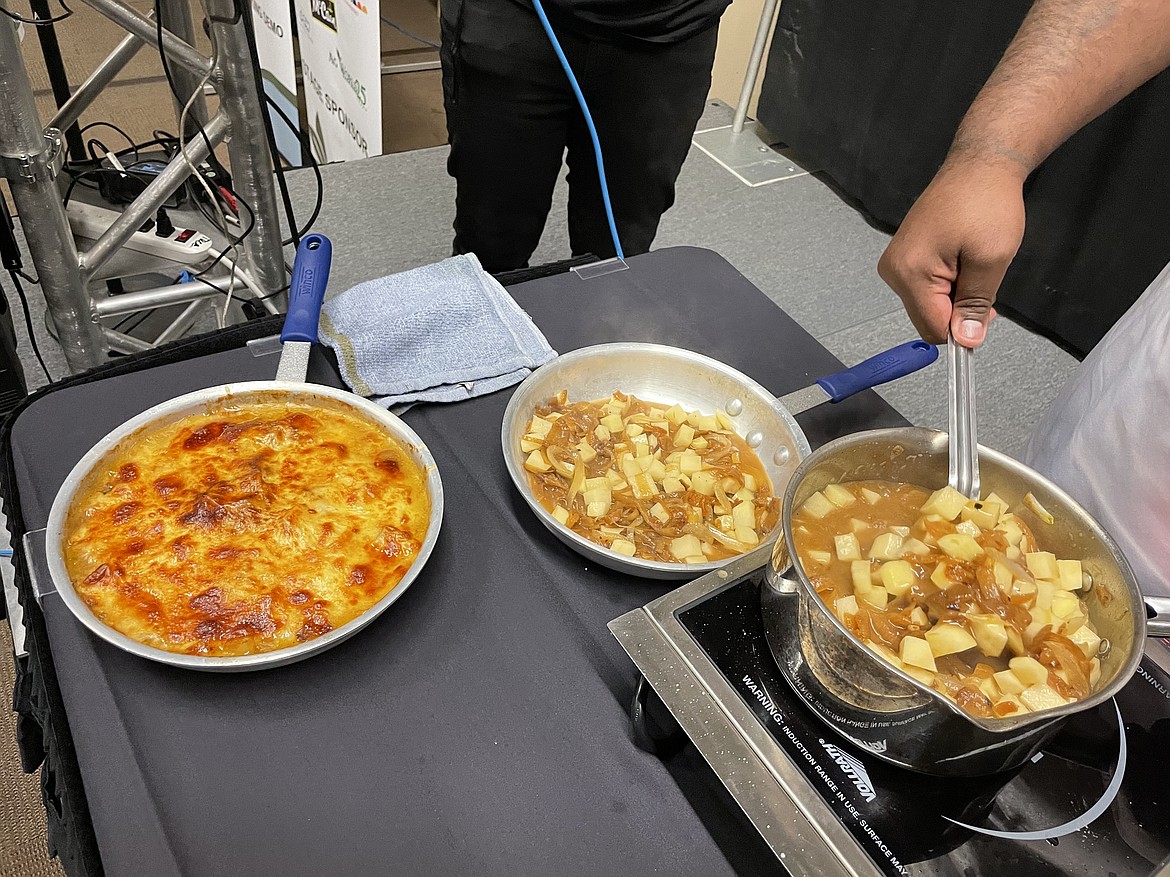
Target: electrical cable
[(303, 139), (269, 133), (560, 53), (40, 22), (28, 323), (386, 21)]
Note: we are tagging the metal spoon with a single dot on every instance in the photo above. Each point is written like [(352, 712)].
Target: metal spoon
[(964, 451)]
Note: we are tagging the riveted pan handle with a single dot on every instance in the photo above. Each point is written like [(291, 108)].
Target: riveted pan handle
[(1158, 623)]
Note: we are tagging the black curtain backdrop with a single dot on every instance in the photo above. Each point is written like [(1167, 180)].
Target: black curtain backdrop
[(871, 91)]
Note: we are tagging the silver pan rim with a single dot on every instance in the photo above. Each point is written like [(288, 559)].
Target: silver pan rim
[(521, 400), (190, 402)]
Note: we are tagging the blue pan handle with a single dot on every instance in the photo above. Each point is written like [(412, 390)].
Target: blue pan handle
[(307, 290), (897, 362)]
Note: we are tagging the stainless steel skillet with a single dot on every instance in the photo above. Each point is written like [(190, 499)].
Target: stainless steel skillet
[(306, 293)]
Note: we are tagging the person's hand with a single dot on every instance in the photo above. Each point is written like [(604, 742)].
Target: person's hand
[(957, 240)]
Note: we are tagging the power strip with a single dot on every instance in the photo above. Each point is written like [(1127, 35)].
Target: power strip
[(183, 245)]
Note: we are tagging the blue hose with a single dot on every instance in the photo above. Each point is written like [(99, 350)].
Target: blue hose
[(552, 38)]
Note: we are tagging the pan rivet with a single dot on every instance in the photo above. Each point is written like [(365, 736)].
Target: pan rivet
[(735, 407), (781, 456), (754, 439)]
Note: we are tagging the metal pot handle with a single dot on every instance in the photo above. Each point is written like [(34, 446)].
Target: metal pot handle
[(1158, 624), (781, 563)]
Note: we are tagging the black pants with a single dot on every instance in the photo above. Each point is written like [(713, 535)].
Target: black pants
[(511, 115)]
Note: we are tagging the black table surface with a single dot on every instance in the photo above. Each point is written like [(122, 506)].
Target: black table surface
[(478, 726)]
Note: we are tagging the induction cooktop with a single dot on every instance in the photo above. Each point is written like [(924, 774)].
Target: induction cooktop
[(1094, 801)]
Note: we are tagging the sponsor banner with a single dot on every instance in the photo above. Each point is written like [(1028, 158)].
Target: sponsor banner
[(341, 64), (272, 20)]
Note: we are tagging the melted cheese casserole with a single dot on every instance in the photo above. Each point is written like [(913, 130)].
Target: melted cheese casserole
[(248, 528)]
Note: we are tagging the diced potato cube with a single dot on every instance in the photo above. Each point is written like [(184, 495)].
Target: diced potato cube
[(536, 462), (847, 547), (708, 549), (969, 528), (690, 463), (613, 422), (1021, 588), (656, 471), (884, 653), (747, 535), (685, 546), (684, 436), (602, 433), (1087, 640), (824, 558), (845, 607), (916, 652), (634, 429), (1041, 697), (744, 495), (1015, 642), (676, 415), (727, 524), (1013, 552), (887, 546), (946, 501), (897, 577), (656, 413), (817, 505), (641, 446), (1003, 575), (984, 514), (1069, 574), (539, 426), (1064, 605), (1042, 564), (904, 532), (860, 572), (616, 405), (623, 546), (1010, 527), (561, 514), (995, 499), (699, 443), (990, 689), (672, 485), (915, 546), (706, 423), (948, 639), (1030, 671), (595, 483), (856, 525), (659, 513), (725, 421), (960, 546), (939, 576), (1044, 594), (871, 496), (744, 515), (644, 463), (527, 445), (704, 482), (923, 676), (1009, 682), (876, 597), (695, 558), (585, 452), (597, 509), (839, 496), (749, 482), (918, 616), (990, 634)]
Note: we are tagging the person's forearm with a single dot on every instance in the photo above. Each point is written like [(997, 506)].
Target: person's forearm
[(1070, 61)]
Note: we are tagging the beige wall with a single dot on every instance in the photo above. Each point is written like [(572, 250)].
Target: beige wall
[(737, 29)]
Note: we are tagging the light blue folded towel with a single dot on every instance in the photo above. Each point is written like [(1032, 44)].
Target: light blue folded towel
[(439, 333)]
